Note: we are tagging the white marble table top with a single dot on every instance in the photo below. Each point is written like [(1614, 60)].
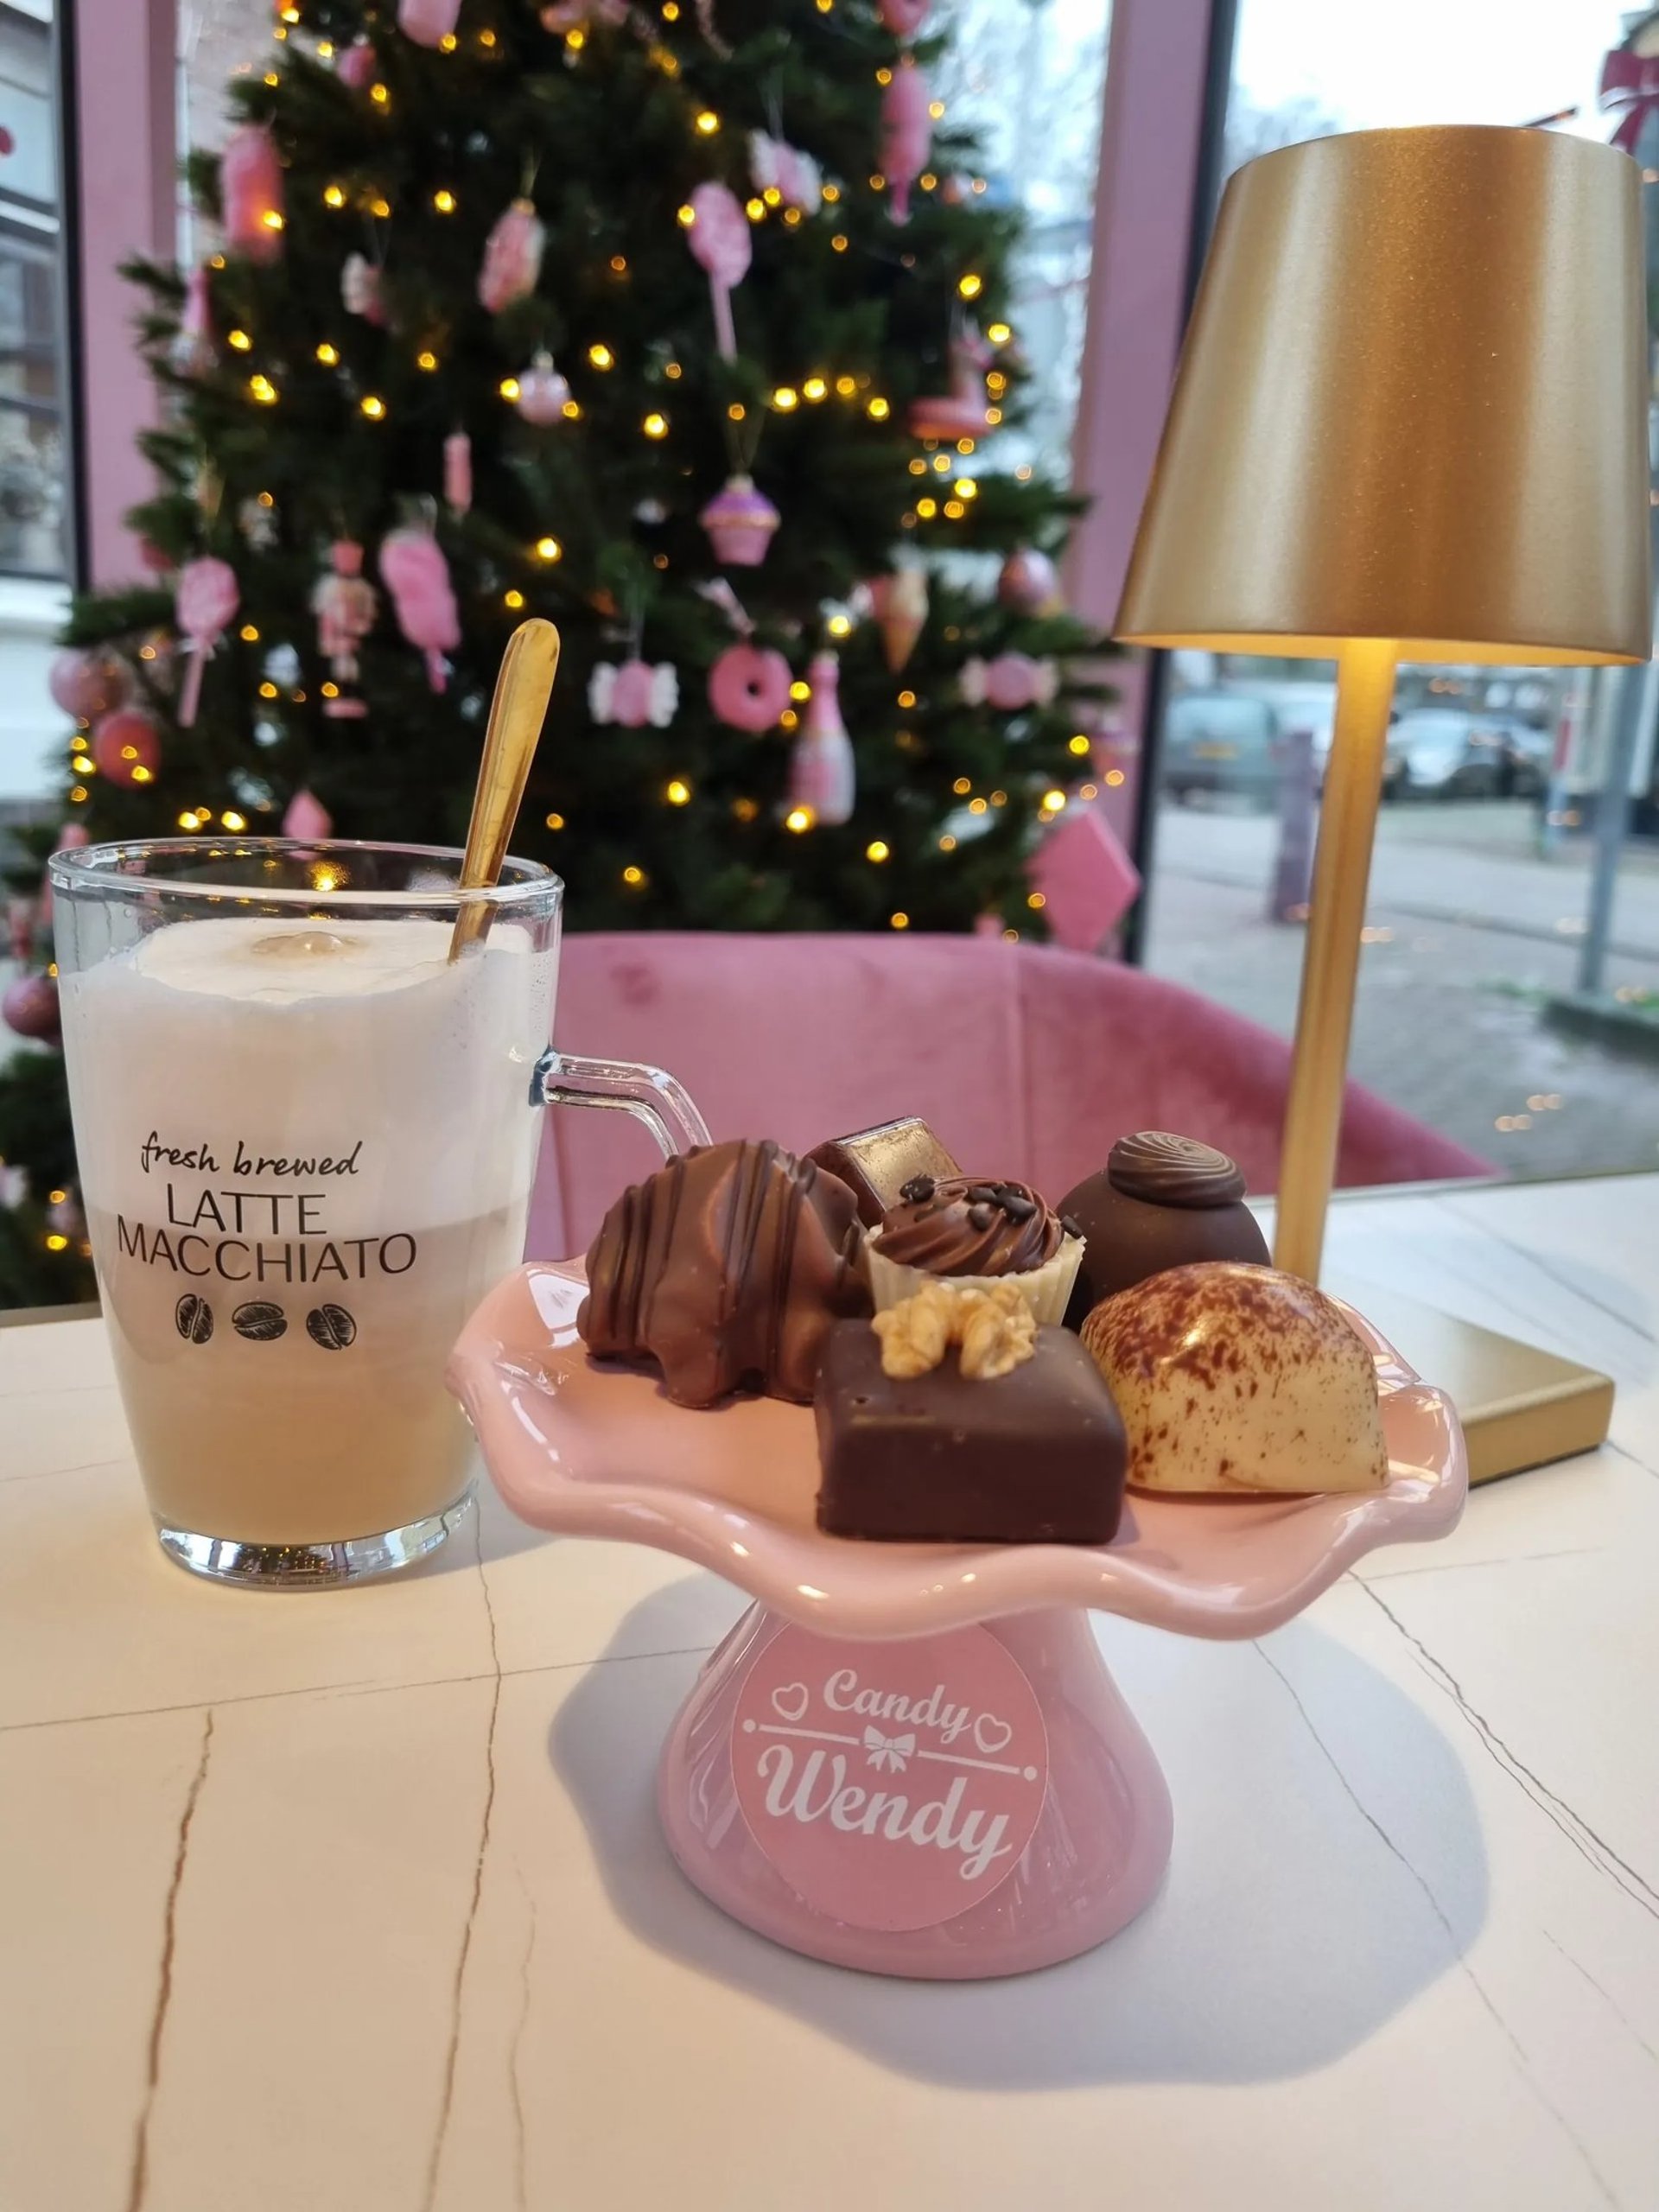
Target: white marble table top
[(357, 1903)]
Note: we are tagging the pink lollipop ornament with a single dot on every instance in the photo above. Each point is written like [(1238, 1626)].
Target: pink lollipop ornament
[(251, 194), (513, 257), (86, 683), (748, 687), (823, 777), (718, 236), (739, 521), (907, 134), (414, 572), (308, 818), (205, 602)]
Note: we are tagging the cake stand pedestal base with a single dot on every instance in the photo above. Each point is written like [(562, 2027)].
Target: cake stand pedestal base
[(841, 1796)]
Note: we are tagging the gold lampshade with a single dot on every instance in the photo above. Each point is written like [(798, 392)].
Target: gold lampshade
[(1412, 407)]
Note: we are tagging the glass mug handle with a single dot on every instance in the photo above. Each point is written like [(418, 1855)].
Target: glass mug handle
[(650, 1095)]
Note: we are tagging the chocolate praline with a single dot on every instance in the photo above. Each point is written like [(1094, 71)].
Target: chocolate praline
[(1161, 1201)]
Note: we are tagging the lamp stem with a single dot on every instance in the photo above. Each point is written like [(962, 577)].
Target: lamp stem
[(1353, 784)]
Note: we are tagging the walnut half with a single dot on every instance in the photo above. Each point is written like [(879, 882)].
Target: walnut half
[(996, 1328)]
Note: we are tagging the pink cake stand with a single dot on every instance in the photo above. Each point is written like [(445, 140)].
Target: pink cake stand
[(909, 1758)]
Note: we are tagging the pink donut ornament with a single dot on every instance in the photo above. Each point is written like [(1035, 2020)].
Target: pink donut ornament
[(748, 688)]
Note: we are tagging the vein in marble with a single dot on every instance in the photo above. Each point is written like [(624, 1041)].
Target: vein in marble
[(1529, 1252), (515, 2083), (1390, 1574), (1605, 1995), (1577, 1830), (138, 2183), (1624, 1451)]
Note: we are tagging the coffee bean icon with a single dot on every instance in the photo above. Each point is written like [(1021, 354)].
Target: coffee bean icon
[(194, 1320), (331, 1326), (259, 1321)]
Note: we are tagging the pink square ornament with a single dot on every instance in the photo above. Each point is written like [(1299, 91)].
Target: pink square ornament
[(1087, 880)]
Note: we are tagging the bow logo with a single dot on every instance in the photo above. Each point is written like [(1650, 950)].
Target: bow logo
[(889, 1751)]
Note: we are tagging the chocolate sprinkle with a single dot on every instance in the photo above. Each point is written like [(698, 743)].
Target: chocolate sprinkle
[(917, 1191)]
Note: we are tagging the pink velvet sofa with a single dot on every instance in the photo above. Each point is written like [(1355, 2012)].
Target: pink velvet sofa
[(1026, 1060)]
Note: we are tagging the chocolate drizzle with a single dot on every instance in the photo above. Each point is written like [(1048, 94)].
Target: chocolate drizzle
[(1170, 1171), (963, 1225), (726, 1267)]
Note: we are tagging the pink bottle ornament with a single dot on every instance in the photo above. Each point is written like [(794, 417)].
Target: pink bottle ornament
[(251, 194), (344, 603), (86, 682), (542, 393), (357, 66), (907, 134), (719, 239), (127, 748), (634, 694), (458, 471), (205, 600), (899, 603), (513, 257), (428, 22), (739, 522), (748, 687), (823, 777), (30, 1008), (414, 572), (307, 819), (959, 413)]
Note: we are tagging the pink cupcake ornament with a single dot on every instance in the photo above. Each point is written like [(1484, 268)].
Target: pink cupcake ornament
[(739, 521)]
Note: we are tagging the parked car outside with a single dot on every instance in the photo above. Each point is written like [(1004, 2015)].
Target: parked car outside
[(1444, 754), (1220, 742)]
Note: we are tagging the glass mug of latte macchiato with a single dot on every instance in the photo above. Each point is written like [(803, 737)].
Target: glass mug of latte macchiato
[(306, 1137)]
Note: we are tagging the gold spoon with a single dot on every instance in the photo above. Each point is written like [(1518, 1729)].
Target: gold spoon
[(517, 712)]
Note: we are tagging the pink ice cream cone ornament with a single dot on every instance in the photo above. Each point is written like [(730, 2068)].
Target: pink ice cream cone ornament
[(821, 774), (513, 257), (739, 521), (1010, 682), (251, 194), (205, 600), (308, 818), (899, 604), (344, 603), (428, 22), (414, 572), (907, 135), (959, 413), (542, 392), (634, 694), (718, 235)]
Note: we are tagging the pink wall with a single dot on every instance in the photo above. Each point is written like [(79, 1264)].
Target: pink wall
[(126, 155)]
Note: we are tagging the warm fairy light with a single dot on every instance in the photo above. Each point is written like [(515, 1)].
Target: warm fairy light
[(187, 820), (942, 464), (755, 210), (927, 181), (217, 261), (571, 410), (328, 355), (839, 242), (633, 877), (993, 416), (234, 822), (877, 849), (142, 775), (884, 76), (800, 690), (736, 411), (791, 217), (815, 388), (1053, 801), (448, 43), (918, 467), (576, 40), (618, 265), (267, 690), (998, 333), (906, 699), (789, 719), (1090, 790), (878, 182), (954, 511), (685, 215), (272, 78), (249, 633), (785, 398), (426, 358), (977, 806), (549, 549), (55, 1242), (487, 38), (970, 286), (444, 201), (82, 765), (655, 426), (239, 338), (927, 509), (325, 50), (380, 96), (999, 799), (262, 389), (1022, 475), (707, 122), (602, 356), (966, 488), (900, 921), (671, 11), (878, 409), (290, 15), (556, 822), (839, 625), (334, 195), (373, 406), (1078, 744), (512, 599), (772, 197), (936, 108), (964, 445), (508, 387), (1113, 778), (380, 206), (798, 818), (672, 371), (78, 794), (329, 690), (678, 792)]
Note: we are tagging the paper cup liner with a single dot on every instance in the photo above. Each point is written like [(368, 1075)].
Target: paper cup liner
[(1047, 1289)]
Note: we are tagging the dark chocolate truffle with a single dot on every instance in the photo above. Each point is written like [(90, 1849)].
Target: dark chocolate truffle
[(1161, 1201), (726, 1267), (965, 1226), (1036, 1456), (875, 1164)]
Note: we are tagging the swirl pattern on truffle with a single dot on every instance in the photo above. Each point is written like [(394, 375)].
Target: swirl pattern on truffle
[(1173, 1171), (961, 1225)]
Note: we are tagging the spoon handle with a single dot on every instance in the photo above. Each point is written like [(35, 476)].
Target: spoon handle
[(517, 712)]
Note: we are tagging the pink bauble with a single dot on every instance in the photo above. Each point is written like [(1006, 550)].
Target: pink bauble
[(357, 65), (127, 748), (1029, 583), (87, 684), (251, 194), (542, 393), (513, 257), (739, 522), (306, 818), (748, 687), (428, 22), (30, 1007)]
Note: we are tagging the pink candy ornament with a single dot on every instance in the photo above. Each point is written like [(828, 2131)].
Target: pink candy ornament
[(344, 603), (127, 748), (794, 175), (959, 413), (1009, 683), (428, 22), (542, 393), (357, 65), (1030, 582), (823, 777), (30, 1007), (251, 194), (899, 603), (87, 684), (458, 471), (308, 818), (1087, 880), (719, 239), (205, 601), (907, 134), (414, 572), (748, 687), (634, 694), (739, 522), (513, 257)]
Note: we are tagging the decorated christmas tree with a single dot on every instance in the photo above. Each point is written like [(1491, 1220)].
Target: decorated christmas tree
[(686, 324)]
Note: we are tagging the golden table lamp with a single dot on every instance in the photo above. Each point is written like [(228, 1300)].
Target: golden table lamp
[(1410, 424)]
